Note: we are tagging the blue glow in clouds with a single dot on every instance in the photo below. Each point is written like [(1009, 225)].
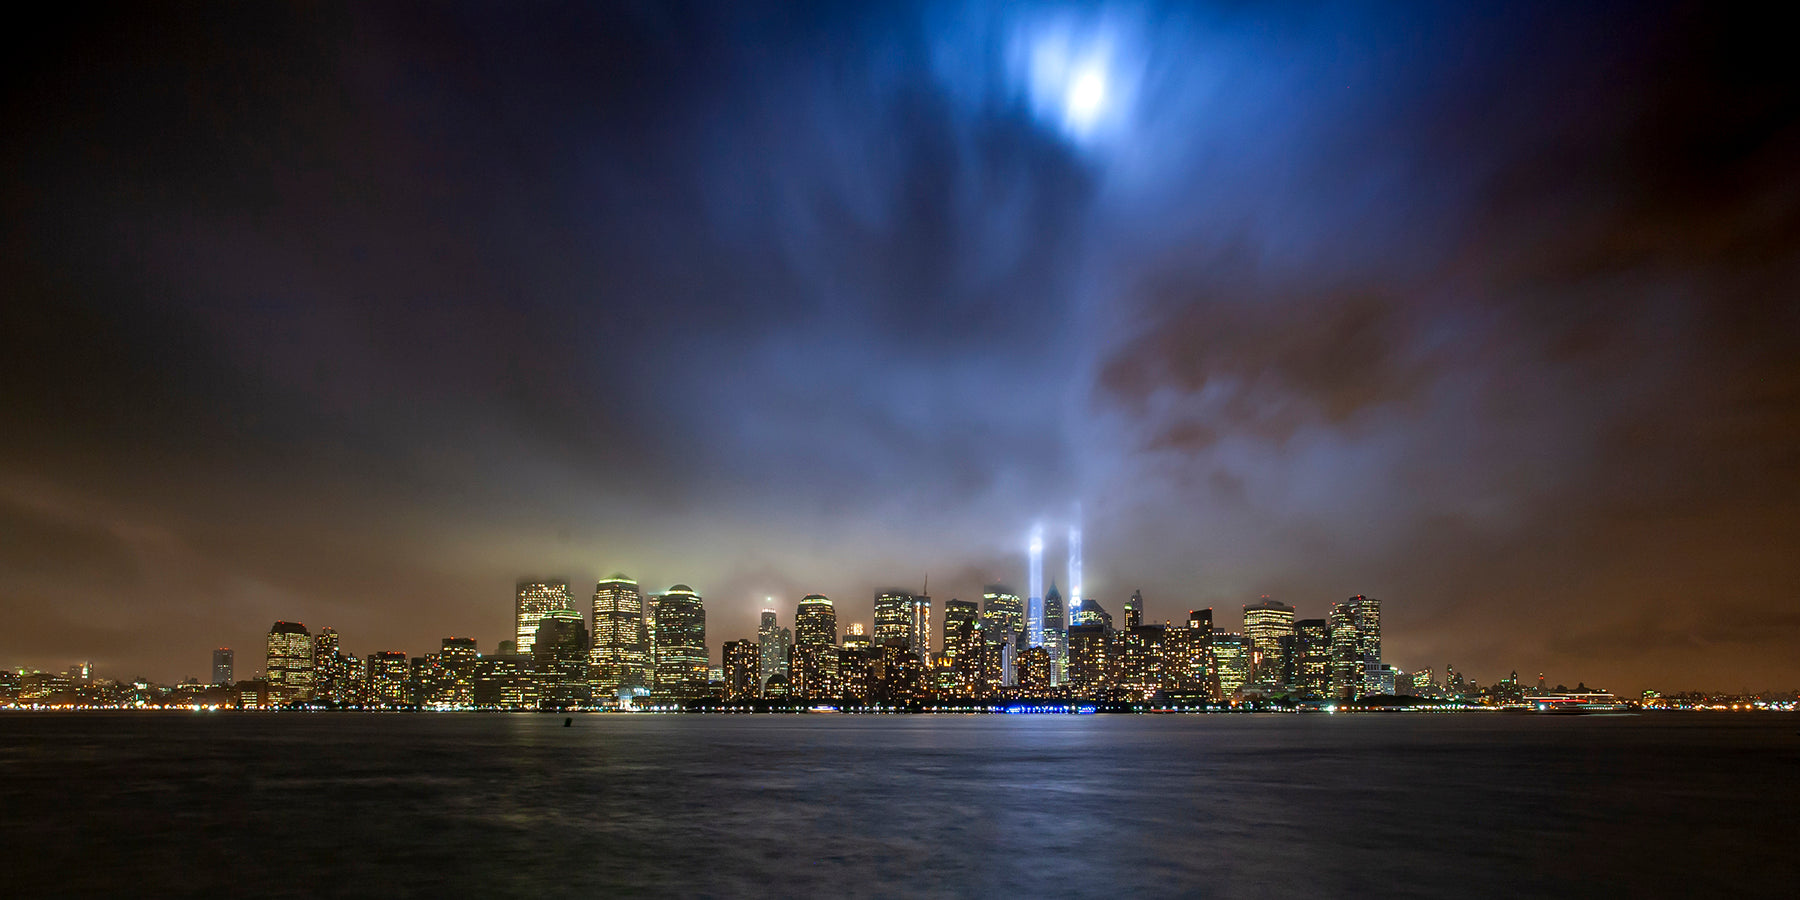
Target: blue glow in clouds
[(1077, 74)]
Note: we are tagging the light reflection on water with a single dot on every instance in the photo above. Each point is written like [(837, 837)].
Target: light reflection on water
[(460, 804)]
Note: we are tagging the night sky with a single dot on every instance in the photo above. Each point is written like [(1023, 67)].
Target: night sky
[(355, 317)]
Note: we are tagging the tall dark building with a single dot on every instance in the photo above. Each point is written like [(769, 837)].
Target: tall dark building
[(222, 666), (1056, 633), (1134, 610), (457, 656), (619, 661), (560, 655), (1312, 666), (681, 657)]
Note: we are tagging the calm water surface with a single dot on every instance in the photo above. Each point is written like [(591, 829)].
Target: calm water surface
[(1470, 805)]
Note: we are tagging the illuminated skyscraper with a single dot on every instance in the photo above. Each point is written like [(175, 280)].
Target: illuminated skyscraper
[(457, 655), (1231, 662), (742, 670), (222, 666), (813, 673), (1267, 624), (1312, 670), (1346, 652), (1090, 665), (1375, 679), (619, 661), (388, 670), (290, 662), (773, 644), (329, 672), (536, 599), (681, 657), (904, 617), (1001, 609)]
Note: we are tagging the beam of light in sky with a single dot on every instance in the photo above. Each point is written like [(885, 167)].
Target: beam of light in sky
[(1075, 564), (1034, 622)]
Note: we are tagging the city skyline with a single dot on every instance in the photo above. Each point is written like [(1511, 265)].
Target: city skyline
[(355, 316)]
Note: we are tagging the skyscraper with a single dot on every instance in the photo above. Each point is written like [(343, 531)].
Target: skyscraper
[(1134, 610), (1346, 652), (1266, 624), (534, 600), (681, 657), (329, 675), (289, 668), (813, 674), (1312, 671), (773, 643), (388, 671), (900, 616), (1368, 633), (1231, 662), (1001, 609), (457, 655), (619, 661), (1056, 633), (742, 669), (222, 666), (560, 654)]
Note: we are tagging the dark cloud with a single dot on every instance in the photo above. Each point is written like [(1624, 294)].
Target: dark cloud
[(355, 316)]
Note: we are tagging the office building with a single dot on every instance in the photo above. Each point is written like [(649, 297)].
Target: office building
[(389, 671), (533, 601), (289, 666), (1268, 626), (813, 671), (681, 655), (1231, 662), (619, 662), (222, 666), (742, 670), (773, 643), (1312, 664)]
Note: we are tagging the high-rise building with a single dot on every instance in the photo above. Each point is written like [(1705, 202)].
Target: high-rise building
[(681, 657), (893, 618), (222, 666), (1145, 662), (560, 654), (964, 645), (1056, 633), (1368, 634), (742, 670), (813, 672), (289, 668), (855, 637), (1231, 662), (1134, 610), (535, 600), (1267, 625), (1188, 666), (1090, 666), (773, 642), (619, 662), (1002, 609), (329, 672), (1346, 652), (457, 656), (1312, 646), (388, 674)]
